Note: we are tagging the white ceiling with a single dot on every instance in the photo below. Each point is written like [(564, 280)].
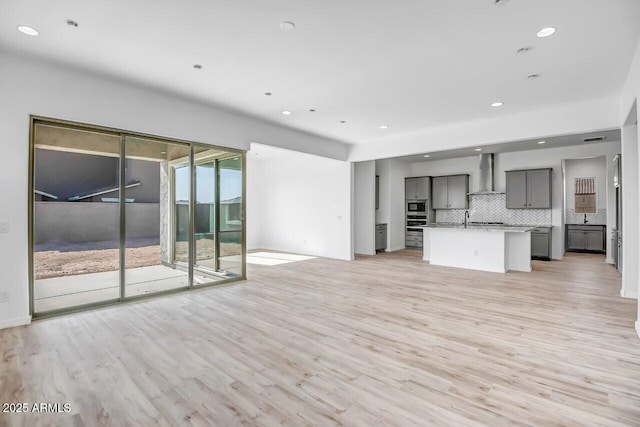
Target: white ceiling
[(410, 65)]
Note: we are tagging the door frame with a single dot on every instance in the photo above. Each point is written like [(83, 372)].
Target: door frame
[(123, 134)]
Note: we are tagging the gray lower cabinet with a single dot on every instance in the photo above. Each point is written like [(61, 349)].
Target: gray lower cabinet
[(586, 238), (381, 237), (529, 189), (541, 243), (450, 192)]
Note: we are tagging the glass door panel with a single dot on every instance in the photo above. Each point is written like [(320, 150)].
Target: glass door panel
[(76, 217), (180, 223), (152, 215), (205, 267), (230, 259)]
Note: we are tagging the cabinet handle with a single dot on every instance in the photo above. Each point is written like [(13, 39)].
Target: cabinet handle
[(525, 205)]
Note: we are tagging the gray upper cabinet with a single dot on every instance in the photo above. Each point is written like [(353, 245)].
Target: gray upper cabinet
[(450, 192), (516, 189), (458, 189), (440, 193), (529, 189), (539, 189), (417, 188)]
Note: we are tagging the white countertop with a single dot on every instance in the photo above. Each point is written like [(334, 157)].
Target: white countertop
[(482, 227)]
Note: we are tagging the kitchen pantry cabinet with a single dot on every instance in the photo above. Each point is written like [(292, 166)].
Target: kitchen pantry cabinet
[(585, 238), (450, 192), (416, 188), (529, 189)]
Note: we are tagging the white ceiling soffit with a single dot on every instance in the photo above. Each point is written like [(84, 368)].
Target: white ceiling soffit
[(607, 136), (407, 65)]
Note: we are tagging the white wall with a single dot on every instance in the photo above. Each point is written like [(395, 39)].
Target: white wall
[(298, 202), (364, 208), (593, 167), (30, 87), (540, 158), (630, 201), (629, 99)]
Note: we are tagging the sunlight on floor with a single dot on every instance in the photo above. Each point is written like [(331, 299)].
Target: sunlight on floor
[(274, 258)]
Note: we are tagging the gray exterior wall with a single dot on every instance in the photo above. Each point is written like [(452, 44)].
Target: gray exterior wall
[(68, 222)]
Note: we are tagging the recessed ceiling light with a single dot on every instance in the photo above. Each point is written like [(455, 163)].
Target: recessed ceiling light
[(197, 66), (546, 32), (27, 30), (384, 127), (287, 26), (268, 93), (286, 112), (523, 50), (427, 155), (542, 142), (72, 23), (478, 149), (497, 104), (533, 76)]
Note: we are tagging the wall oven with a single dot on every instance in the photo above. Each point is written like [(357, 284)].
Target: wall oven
[(416, 207)]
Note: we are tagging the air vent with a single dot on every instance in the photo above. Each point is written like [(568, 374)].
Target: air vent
[(595, 139)]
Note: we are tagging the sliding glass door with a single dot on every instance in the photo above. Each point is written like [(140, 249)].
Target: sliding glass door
[(116, 216), (219, 253)]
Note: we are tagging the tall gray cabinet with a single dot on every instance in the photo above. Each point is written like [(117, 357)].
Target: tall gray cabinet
[(529, 189), (450, 192)]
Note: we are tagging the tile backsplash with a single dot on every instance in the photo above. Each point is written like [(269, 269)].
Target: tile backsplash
[(599, 218), (492, 208)]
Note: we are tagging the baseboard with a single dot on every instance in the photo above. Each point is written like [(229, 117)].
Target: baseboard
[(19, 321), (609, 261), (624, 294), (638, 328), (397, 248)]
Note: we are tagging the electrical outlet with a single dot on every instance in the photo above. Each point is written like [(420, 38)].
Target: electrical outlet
[(4, 226), (4, 296), (475, 253)]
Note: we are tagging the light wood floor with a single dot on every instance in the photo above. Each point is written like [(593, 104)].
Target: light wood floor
[(385, 340)]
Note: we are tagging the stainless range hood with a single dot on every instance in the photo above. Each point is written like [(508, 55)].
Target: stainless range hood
[(486, 175)]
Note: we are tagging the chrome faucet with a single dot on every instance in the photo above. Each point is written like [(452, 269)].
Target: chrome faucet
[(466, 217)]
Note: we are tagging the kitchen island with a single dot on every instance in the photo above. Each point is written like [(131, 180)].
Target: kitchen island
[(495, 248)]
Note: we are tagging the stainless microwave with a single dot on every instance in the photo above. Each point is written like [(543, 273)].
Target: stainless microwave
[(416, 206)]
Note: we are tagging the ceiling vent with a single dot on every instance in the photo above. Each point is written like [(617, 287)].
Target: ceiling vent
[(595, 139)]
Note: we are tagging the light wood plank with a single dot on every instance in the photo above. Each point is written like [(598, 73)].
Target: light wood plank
[(384, 340)]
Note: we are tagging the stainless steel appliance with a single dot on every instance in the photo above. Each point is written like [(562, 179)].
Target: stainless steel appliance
[(417, 217), (416, 207)]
